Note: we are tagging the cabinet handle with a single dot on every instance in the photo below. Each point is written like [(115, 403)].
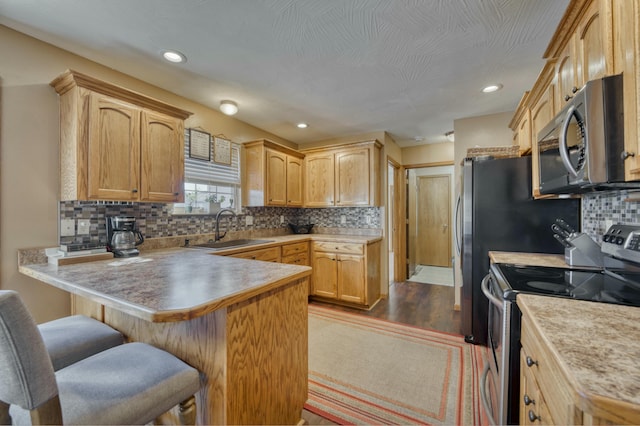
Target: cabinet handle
[(627, 154), (176, 193), (528, 401), (533, 417), (134, 190), (531, 362)]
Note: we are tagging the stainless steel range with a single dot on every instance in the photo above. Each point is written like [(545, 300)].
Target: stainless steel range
[(618, 283)]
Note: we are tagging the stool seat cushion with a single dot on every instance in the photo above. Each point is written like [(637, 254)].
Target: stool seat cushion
[(128, 384), (76, 337)]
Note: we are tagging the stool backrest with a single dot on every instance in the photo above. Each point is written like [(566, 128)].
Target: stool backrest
[(27, 375)]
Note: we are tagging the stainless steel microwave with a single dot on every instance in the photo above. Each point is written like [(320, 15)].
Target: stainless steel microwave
[(582, 149)]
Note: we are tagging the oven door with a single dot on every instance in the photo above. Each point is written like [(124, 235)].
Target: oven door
[(495, 377)]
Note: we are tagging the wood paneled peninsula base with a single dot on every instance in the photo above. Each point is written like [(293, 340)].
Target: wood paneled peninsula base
[(241, 323)]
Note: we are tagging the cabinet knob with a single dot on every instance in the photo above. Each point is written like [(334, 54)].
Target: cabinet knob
[(528, 401), (531, 362), (533, 417), (176, 193), (567, 97), (574, 89), (626, 154), (134, 190)]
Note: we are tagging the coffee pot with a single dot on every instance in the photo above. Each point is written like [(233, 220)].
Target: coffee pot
[(123, 236)]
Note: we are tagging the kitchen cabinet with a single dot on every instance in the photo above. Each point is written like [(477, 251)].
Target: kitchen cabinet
[(626, 42), (116, 144), (296, 253), (272, 175), (344, 176), (346, 273)]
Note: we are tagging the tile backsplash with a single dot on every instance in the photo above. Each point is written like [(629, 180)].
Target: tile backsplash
[(157, 220), (615, 206)]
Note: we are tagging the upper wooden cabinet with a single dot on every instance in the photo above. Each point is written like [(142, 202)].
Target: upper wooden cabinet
[(116, 144), (344, 176), (272, 176), (595, 38)]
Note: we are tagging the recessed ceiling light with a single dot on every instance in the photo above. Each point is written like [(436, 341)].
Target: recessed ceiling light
[(174, 56), (228, 107), (302, 125), (492, 88)]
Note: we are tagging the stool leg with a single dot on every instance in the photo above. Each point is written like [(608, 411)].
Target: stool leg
[(188, 411), (4, 414)]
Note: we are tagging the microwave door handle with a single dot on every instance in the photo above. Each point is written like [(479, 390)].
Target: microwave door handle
[(564, 151), (485, 289)]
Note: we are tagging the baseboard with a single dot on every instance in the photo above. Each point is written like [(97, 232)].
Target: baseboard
[(456, 307)]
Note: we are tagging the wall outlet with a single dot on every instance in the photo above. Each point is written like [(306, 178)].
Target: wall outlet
[(367, 219), (84, 226), (248, 220), (281, 219), (608, 223), (67, 228), (343, 219)]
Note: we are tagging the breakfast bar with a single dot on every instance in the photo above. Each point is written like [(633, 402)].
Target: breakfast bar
[(241, 323)]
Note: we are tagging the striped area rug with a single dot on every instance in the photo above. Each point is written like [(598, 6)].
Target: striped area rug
[(369, 371)]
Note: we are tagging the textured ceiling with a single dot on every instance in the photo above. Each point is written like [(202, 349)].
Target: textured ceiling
[(408, 67)]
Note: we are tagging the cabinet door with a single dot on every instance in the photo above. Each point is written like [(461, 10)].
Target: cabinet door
[(276, 194), (565, 75), (162, 152), (294, 181), (325, 275), (592, 49), (524, 133), (353, 180), (351, 278), (113, 149), (319, 180)]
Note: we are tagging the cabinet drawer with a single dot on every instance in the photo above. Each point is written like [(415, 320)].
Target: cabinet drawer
[(349, 248), (540, 363), (296, 259), (268, 254), (291, 249)]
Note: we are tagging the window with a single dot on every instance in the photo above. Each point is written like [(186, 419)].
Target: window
[(209, 186)]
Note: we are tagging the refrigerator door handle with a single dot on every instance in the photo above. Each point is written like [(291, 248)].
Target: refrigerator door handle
[(458, 224)]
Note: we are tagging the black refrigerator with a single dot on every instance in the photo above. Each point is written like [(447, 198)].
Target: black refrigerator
[(499, 213)]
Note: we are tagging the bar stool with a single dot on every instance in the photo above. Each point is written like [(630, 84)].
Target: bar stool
[(70, 339), (132, 383)]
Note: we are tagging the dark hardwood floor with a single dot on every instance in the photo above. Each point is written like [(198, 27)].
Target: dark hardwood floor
[(421, 305)]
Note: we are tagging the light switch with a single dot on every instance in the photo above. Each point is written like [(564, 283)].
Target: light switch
[(67, 228)]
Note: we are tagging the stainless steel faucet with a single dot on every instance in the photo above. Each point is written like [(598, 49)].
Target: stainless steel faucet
[(218, 237)]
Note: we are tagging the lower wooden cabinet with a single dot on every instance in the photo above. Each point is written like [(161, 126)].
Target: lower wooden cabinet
[(346, 273), (296, 254)]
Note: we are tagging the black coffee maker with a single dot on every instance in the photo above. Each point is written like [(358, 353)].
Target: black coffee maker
[(123, 236)]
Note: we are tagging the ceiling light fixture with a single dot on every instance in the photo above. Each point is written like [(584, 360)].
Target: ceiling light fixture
[(492, 88), (174, 56), (228, 107), (451, 137), (302, 125)]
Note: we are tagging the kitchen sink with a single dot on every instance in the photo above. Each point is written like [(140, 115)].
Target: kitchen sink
[(218, 245)]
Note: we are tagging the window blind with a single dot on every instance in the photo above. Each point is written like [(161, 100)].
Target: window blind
[(208, 172)]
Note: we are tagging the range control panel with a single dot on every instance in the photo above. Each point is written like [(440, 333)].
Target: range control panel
[(623, 242)]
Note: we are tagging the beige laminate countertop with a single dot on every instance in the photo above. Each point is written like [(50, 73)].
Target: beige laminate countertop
[(598, 347), (169, 284), (296, 238)]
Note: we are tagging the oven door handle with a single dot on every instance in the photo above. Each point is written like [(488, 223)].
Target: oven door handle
[(483, 394), (485, 289)]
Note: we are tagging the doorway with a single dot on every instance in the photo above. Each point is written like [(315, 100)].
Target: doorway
[(429, 229)]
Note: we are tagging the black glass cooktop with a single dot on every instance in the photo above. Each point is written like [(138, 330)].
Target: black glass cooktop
[(599, 286)]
